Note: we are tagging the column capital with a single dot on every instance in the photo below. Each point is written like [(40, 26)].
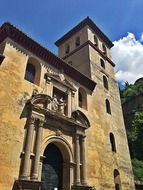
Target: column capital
[(73, 93), (32, 120), (77, 137), (83, 137), (41, 122)]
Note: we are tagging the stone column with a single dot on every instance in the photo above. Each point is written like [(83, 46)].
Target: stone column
[(83, 161), (25, 171), (36, 164), (77, 162)]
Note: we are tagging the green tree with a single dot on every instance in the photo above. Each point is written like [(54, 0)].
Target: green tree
[(138, 169)]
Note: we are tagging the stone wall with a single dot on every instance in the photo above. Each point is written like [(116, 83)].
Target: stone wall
[(101, 160)]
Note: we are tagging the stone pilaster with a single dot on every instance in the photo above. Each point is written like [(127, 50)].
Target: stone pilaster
[(25, 172), (36, 164)]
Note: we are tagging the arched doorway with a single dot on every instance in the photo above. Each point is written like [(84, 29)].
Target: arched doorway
[(52, 170), (57, 163)]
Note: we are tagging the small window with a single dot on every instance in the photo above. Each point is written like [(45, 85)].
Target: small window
[(112, 141), (82, 98), (30, 72), (117, 180), (104, 49), (105, 82), (108, 108), (77, 41), (95, 40), (102, 63), (67, 48)]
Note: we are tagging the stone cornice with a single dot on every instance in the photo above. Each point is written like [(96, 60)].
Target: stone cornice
[(8, 30), (95, 47)]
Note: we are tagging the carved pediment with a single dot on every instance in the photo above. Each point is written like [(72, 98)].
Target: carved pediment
[(81, 118), (59, 77)]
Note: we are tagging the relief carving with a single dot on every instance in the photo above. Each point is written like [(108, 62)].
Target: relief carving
[(58, 105)]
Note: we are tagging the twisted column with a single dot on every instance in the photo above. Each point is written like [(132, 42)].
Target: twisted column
[(25, 172)]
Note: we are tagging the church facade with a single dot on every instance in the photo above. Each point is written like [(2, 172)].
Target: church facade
[(61, 119)]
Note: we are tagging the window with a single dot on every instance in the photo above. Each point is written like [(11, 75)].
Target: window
[(105, 82), (67, 50), (104, 49), (117, 180), (112, 141), (108, 108), (30, 73), (95, 40), (33, 71), (102, 63), (77, 41), (82, 98)]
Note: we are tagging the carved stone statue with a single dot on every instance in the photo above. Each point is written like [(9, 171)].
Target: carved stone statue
[(55, 103), (62, 105)]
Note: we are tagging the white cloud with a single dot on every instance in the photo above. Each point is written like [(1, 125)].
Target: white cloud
[(141, 39), (127, 54)]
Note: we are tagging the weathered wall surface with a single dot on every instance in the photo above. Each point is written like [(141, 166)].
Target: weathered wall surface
[(101, 161), (13, 94)]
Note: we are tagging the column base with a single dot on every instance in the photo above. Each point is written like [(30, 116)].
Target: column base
[(34, 177), (26, 185), (81, 187)]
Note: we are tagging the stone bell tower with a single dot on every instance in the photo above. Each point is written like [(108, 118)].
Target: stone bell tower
[(87, 48)]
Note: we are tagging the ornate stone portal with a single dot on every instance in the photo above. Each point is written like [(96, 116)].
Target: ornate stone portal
[(41, 117)]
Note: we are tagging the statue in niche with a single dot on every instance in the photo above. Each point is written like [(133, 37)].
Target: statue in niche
[(55, 103), (62, 105)]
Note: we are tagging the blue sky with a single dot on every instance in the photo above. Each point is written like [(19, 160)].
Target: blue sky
[(47, 20)]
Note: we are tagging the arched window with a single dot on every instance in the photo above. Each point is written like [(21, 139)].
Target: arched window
[(105, 82), (117, 180), (112, 142), (33, 71), (30, 72), (77, 41), (82, 98), (102, 63), (95, 40), (104, 49), (67, 50), (108, 108)]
